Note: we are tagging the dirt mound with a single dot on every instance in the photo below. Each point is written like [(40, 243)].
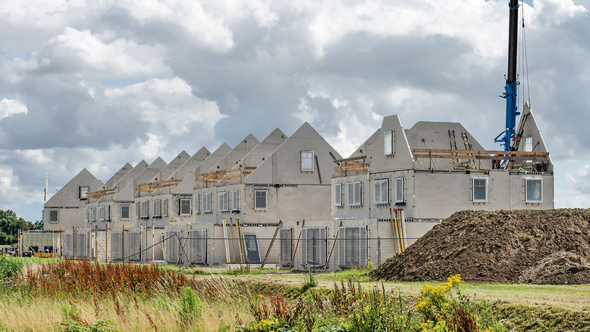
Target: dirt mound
[(557, 269), (490, 246)]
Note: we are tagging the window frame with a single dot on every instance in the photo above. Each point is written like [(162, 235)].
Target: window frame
[(51, 213), (265, 208), (157, 204), (101, 213), (80, 191), (307, 169), (235, 205), (223, 202), (208, 202), (380, 183), (351, 198), (403, 196), (338, 196), (108, 213), (390, 140), (145, 214), (128, 206), (165, 207), (197, 207), (526, 188), (180, 206), (479, 200)]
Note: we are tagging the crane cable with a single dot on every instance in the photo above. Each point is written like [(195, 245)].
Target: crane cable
[(524, 57)]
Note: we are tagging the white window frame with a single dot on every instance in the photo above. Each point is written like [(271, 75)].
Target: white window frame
[(165, 207), (528, 144), (137, 209), (86, 212), (380, 184), (389, 142), (184, 213), (223, 201), (304, 156), (400, 198), (208, 202), (256, 207), (128, 211), (157, 208), (235, 200), (108, 213), (83, 193), (93, 214), (338, 194), (101, 213), (145, 206), (197, 203), (479, 200), (526, 190), (354, 198)]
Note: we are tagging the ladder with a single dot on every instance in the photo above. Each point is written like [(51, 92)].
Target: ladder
[(468, 146), (453, 143)]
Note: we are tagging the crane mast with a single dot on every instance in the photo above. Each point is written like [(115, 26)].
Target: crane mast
[(511, 79)]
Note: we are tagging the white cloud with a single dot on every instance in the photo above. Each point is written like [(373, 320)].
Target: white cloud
[(102, 54), (168, 105), (12, 194), (9, 107), (576, 201), (581, 181)]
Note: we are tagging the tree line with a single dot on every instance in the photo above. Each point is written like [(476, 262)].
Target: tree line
[(10, 223)]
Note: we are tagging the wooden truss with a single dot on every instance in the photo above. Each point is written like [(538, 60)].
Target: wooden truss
[(151, 186), (215, 176)]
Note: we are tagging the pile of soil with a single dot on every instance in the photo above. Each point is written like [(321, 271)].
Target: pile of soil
[(557, 269), (490, 246)]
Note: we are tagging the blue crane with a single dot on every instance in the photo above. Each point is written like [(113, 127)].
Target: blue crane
[(511, 80)]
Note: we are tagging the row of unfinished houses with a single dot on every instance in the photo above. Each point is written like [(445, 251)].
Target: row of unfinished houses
[(294, 201)]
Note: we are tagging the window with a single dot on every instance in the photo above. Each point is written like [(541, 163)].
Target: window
[(144, 210), (137, 208), (207, 204), (480, 190), (338, 194), (185, 207), (197, 203), (381, 191), (355, 191), (52, 216), (108, 212), (306, 160), (260, 200), (101, 213), (353, 247), (87, 219), (528, 144), (93, 214), (166, 208), (315, 247), (223, 201), (84, 192), (399, 190), (157, 208), (125, 211), (388, 144), (235, 206), (534, 191)]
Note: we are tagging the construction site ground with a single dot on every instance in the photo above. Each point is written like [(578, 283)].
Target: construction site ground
[(526, 246)]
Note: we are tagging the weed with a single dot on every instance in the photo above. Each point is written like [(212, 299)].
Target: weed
[(73, 323), (10, 267), (190, 306), (309, 283)]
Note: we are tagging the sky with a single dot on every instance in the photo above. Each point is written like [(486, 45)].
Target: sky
[(97, 84)]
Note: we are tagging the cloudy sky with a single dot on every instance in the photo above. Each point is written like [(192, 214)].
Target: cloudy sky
[(96, 84)]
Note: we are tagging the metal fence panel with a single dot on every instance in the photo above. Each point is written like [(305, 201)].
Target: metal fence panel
[(172, 247), (68, 250), (134, 245), (82, 245), (197, 246), (117, 245)]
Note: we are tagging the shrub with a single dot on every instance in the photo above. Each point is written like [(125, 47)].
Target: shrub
[(190, 306), (73, 323), (10, 267)]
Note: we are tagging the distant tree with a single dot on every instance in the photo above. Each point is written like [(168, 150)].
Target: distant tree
[(10, 223), (37, 225)]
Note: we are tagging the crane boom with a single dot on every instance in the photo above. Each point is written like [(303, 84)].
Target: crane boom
[(511, 79)]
